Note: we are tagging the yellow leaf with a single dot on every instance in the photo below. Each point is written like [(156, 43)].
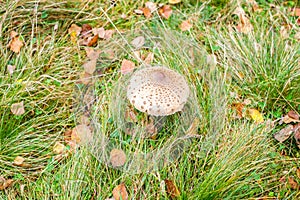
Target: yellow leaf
[(256, 115), (58, 148)]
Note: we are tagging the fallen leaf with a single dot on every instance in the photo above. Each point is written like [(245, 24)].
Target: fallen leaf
[(90, 66), (99, 31), (293, 115), (244, 25), (165, 11), (298, 172), (127, 66), (296, 129), (138, 42), (82, 134), (58, 148), (108, 34), (256, 115), (174, 1), (17, 108), (255, 6), (152, 6), (294, 12), (293, 184), (147, 12), (149, 58), (15, 43), (172, 189), (138, 11), (74, 32), (85, 78), (117, 157), (67, 135), (86, 29), (120, 193), (185, 25), (92, 54), (284, 133), (19, 160), (11, 69), (5, 183), (290, 117)]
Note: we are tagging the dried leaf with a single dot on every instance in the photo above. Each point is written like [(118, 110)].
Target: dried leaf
[(15, 43), (174, 1), (90, 66), (127, 66), (238, 107), (165, 11), (298, 172), (293, 115), (294, 12), (86, 30), (82, 134), (58, 148), (99, 31), (85, 78), (74, 32), (120, 193), (244, 25), (293, 184), (255, 6), (284, 133), (19, 160), (152, 6), (296, 129), (117, 157), (108, 34), (147, 12), (11, 69), (138, 11), (149, 58), (4, 184), (17, 108), (138, 42), (185, 25), (92, 54), (172, 189), (256, 115)]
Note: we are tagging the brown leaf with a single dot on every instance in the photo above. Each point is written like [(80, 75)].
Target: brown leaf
[(15, 43), (244, 25), (117, 157), (174, 1), (17, 108), (120, 193), (127, 66), (293, 183), (99, 31), (138, 42), (296, 129), (152, 6), (147, 12), (294, 12), (11, 69), (86, 29), (284, 133), (185, 25), (5, 183), (108, 34), (58, 148), (149, 58), (238, 107), (82, 134), (165, 11), (172, 189), (298, 172), (92, 40), (74, 32), (85, 78), (19, 161), (292, 114), (92, 54), (90, 66)]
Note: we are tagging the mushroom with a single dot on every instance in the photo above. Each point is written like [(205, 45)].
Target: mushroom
[(158, 91)]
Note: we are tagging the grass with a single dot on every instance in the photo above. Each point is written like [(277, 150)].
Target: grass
[(231, 159)]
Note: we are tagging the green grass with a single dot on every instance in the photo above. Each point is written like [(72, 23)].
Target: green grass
[(230, 159)]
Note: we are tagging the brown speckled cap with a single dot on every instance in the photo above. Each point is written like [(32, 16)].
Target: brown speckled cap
[(158, 91)]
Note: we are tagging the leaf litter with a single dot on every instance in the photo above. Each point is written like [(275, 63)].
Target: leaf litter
[(120, 192), (15, 43)]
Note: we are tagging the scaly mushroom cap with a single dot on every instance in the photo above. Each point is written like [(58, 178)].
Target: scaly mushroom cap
[(158, 91)]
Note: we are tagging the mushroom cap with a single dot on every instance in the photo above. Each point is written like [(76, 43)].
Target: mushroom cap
[(158, 91)]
